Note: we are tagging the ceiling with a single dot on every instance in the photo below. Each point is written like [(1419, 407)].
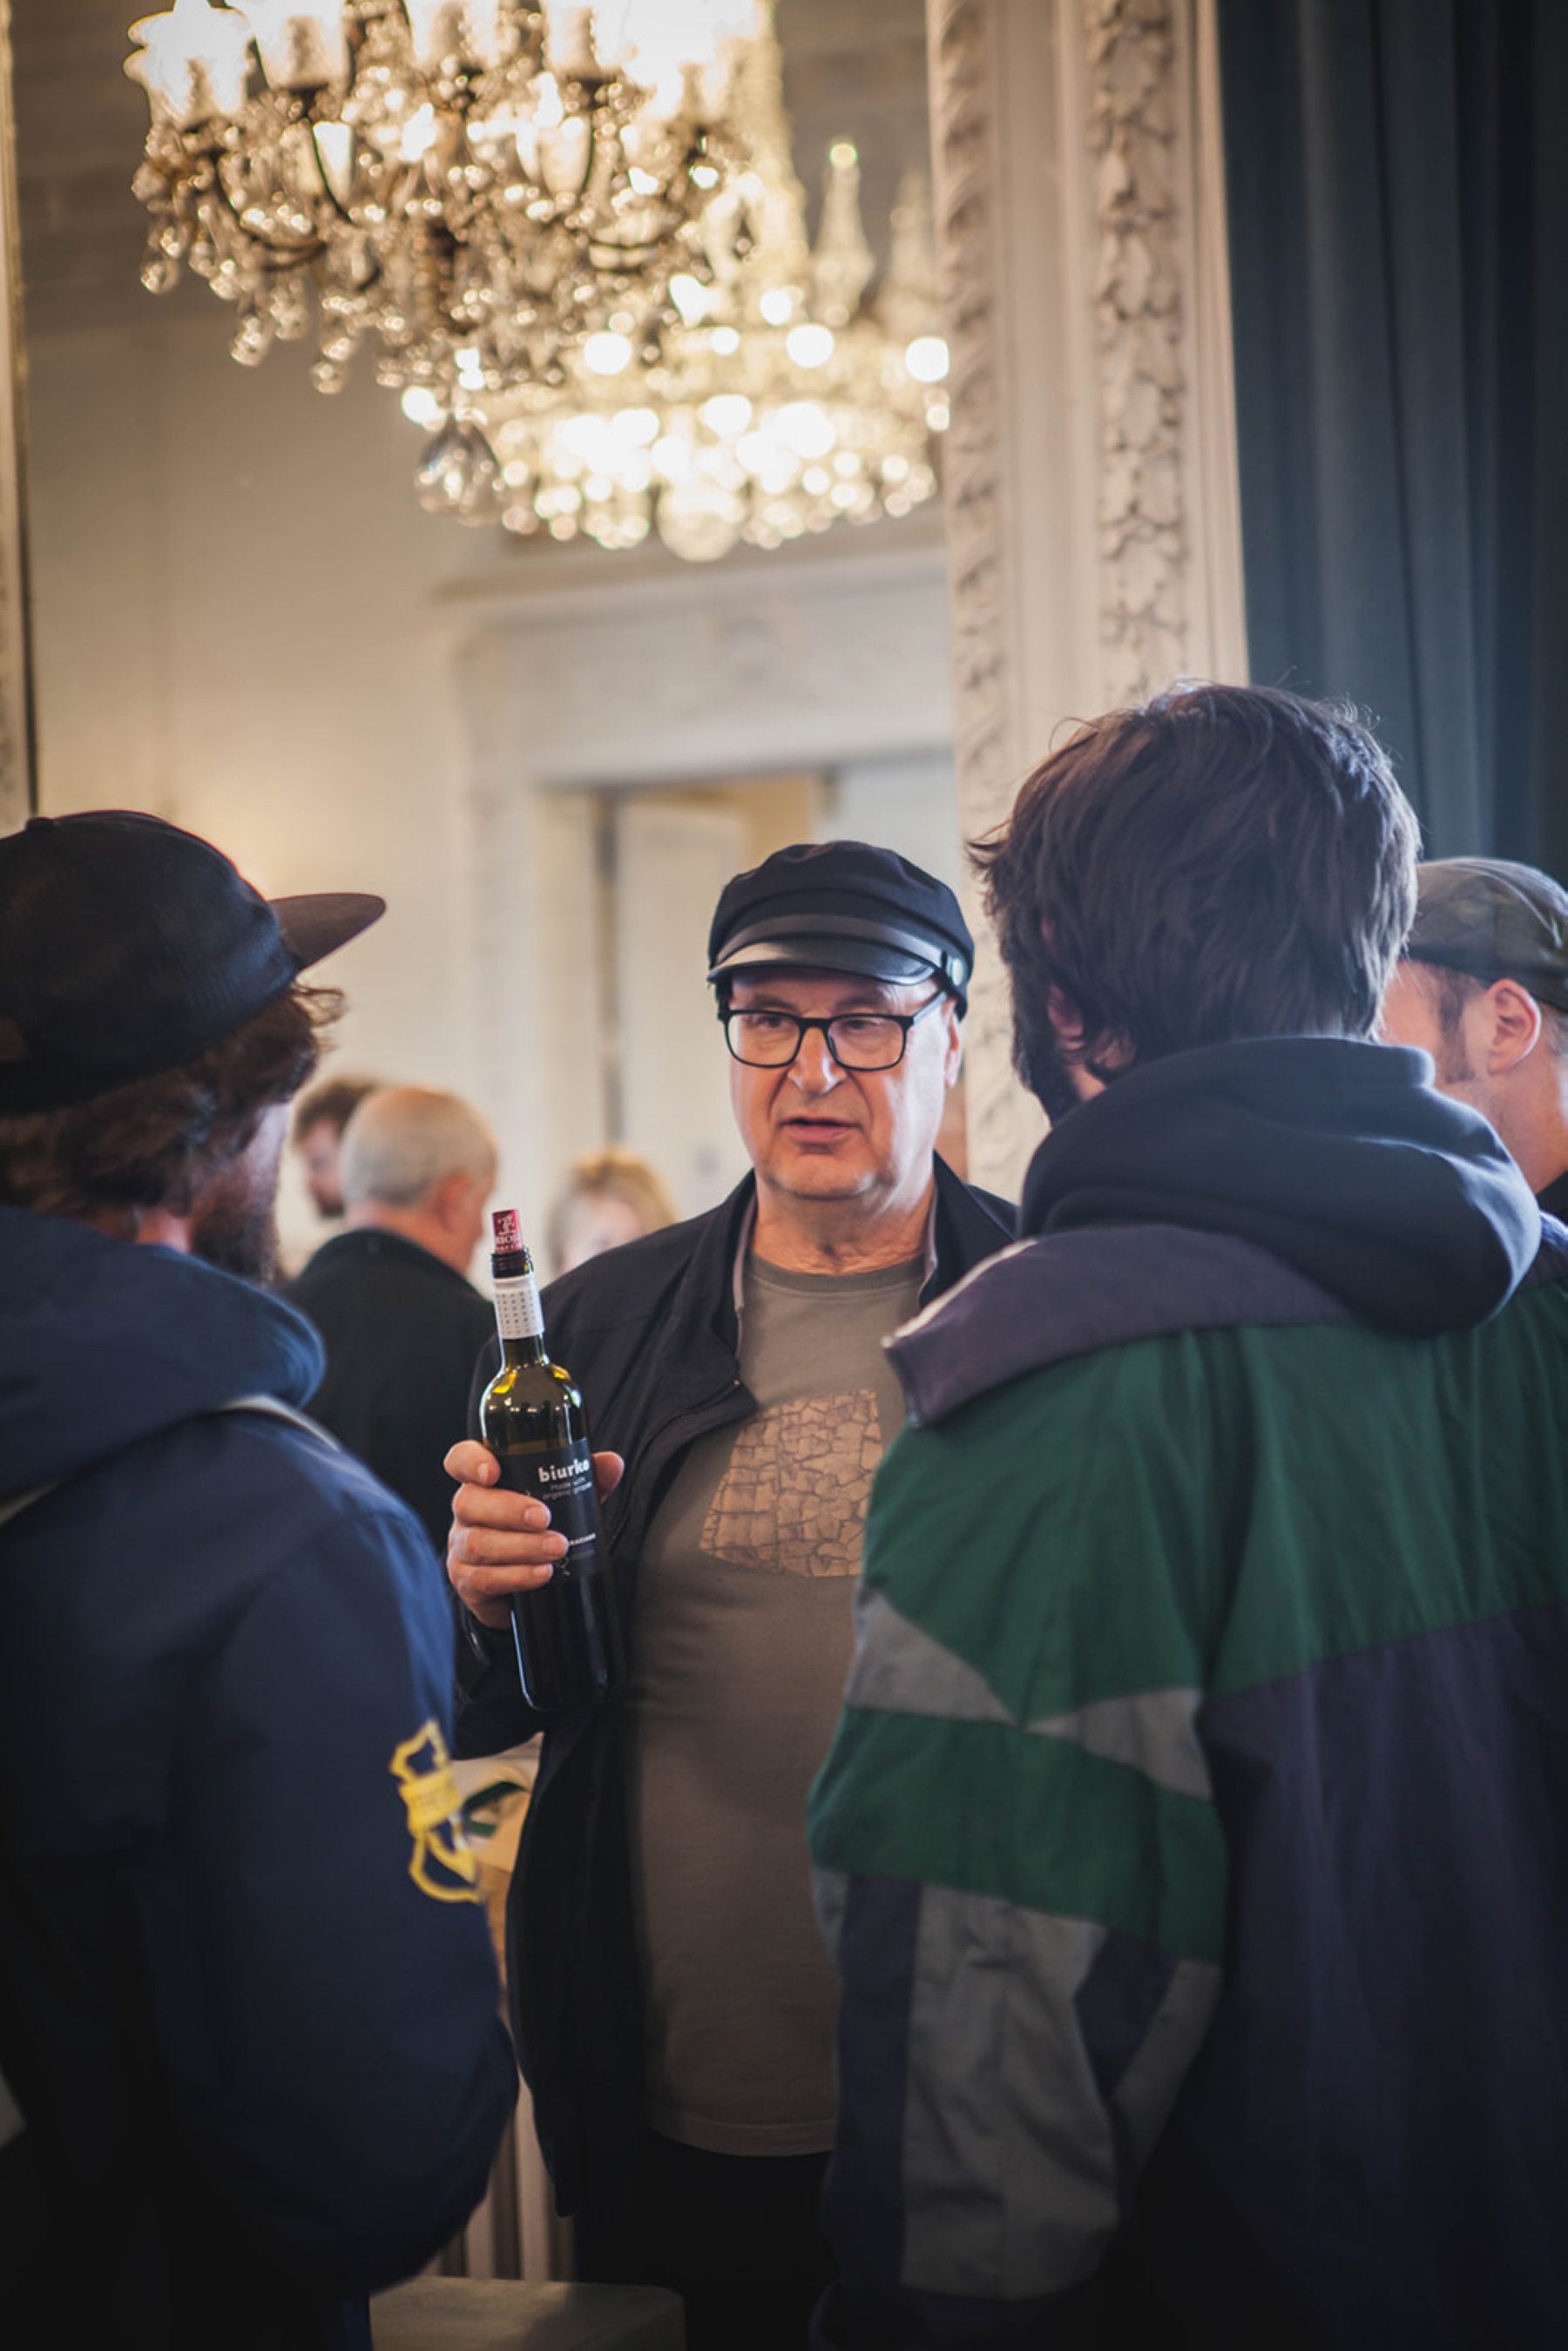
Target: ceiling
[(852, 68)]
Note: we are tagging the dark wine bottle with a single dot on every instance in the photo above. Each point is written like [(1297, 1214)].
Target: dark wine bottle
[(533, 1419)]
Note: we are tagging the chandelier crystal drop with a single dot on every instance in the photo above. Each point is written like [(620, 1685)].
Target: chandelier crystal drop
[(783, 401), (479, 187)]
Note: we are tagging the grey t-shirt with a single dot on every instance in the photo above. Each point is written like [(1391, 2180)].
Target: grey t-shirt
[(742, 1646)]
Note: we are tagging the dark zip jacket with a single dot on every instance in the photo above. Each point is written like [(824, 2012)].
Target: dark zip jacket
[(248, 1999), (1195, 1858), (649, 1332)]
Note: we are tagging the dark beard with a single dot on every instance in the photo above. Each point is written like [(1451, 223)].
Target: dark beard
[(237, 1231)]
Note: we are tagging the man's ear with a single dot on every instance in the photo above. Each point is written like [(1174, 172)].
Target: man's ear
[(449, 1199), (954, 1027), (1512, 1024), (1066, 1020)]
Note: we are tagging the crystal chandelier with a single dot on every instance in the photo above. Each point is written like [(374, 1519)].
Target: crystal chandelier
[(781, 404), (480, 186)]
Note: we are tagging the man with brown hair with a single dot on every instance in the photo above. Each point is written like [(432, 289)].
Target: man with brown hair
[(1191, 1842), (248, 2041), (321, 1115)]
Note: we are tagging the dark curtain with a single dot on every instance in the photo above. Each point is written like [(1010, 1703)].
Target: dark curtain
[(1397, 178)]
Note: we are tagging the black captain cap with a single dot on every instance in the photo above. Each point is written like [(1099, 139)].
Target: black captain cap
[(843, 905)]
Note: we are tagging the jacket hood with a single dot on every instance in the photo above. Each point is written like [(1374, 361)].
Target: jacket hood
[(1339, 1158), (102, 1342)]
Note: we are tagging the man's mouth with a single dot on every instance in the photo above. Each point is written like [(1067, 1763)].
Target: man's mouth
[(818, 1129)]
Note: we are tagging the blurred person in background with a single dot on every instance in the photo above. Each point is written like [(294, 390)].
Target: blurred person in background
[(320, 1115), (609, 1197), (251, 2064), (671, 1993), (1482, 986), (399, 1321)]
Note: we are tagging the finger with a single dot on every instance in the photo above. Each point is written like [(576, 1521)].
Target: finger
[(488, 1547), (609, 1468), (493, 1583), (472, 1464), (497, 1505)]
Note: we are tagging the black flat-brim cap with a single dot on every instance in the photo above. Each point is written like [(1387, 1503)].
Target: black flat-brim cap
[(1494, 920), (843, 906), (129, 947)]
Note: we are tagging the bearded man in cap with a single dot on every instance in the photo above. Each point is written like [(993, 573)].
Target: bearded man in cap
[(247, 2004), (673, 2004), (1482, 986)]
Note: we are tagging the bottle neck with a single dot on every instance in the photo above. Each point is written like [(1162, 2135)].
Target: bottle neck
[(519, 1320)]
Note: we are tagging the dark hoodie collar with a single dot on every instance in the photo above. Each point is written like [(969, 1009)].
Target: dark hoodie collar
[(1339, 1158), (103, 1343)]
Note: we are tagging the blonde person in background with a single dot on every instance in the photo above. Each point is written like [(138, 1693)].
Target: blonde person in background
[(611, 1196)]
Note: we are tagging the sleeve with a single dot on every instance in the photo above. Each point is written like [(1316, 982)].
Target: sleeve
[(323, 1982), (1022, 1878)]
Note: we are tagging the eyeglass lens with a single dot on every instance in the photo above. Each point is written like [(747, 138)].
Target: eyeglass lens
[(857, 1040)]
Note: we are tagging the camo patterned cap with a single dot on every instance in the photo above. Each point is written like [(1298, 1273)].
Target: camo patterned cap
[(1496, 921)]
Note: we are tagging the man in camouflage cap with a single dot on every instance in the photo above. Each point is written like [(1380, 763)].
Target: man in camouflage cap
[(1483, 988)]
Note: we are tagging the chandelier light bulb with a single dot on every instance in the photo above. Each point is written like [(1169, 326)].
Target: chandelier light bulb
[(419, 135), (607, 354), (421, 406), (926, 359), (777, 305), (193, 63), (809, 345), (691, 298), (727, 413), (301, 49)]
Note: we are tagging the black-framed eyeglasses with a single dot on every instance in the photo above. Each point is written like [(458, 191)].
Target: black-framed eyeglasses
[(857, 1040)]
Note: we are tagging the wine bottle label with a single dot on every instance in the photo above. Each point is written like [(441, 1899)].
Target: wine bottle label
[(565, 1481), (519, 1315), (560, 1475)]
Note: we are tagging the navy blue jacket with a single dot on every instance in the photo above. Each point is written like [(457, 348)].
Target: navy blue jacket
[(247, 2003)]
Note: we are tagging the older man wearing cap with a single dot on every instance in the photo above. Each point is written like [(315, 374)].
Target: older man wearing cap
[(247, 2030), (1483, 988), (674, 2002)]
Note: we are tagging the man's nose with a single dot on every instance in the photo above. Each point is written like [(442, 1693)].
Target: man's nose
[(814, 1069)]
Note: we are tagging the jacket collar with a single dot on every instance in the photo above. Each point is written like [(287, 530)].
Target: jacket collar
[(970, 1226), (376, 1240), (964, 1225)]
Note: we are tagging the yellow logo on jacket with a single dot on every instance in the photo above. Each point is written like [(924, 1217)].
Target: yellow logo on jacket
[(442, 1865)]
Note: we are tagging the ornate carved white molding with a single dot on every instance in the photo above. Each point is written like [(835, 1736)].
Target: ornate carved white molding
[(1090, 470), (1139, 338)]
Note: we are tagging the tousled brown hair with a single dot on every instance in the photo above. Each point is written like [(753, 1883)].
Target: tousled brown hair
[(1222, 862), (334, 1102), (158, 1142)]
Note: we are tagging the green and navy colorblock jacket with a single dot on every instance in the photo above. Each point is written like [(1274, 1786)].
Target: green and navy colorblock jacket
[(1193, 1844)]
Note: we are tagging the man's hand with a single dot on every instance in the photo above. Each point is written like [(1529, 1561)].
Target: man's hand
[(500, 1541)]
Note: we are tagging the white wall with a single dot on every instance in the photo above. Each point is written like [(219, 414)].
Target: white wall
[(246, 623)]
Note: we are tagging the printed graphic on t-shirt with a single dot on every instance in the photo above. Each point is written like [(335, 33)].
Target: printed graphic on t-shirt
[(793, 1500)]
